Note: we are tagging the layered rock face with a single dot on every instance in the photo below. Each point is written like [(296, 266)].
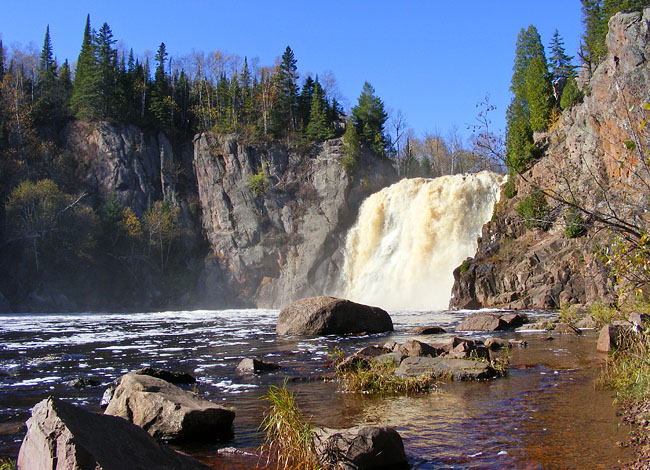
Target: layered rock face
[(517, 267), (283, 243)]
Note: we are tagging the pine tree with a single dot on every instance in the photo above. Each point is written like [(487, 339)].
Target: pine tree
[(529, 45), (318, 128), (539, 93), (369, 119), (304, 102), (46, 107), (571, 95), (283, 117), (2, 61), (560, 62), (351, 148), (519, 133), (106, 58), (85, 94), (520, 148), (160, 98)]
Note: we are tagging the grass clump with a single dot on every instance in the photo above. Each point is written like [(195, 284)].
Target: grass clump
[(7, 464), (627, 369), (257, 183), (378, 377), (289, 436)]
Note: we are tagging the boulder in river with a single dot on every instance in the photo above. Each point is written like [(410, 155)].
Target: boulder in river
[(254, 365), (329, 315), (457, 369), (362, 356), (168, 412), (362, 447), (61, 436), (416, 348)]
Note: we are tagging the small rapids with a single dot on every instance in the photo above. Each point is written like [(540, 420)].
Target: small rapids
[(409, 238), (544, 414)]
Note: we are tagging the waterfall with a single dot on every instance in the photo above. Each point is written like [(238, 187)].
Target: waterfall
[(409, 237)]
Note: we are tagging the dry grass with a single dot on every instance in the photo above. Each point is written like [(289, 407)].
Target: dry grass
[(377, 377), (289, 437), (627, 369)]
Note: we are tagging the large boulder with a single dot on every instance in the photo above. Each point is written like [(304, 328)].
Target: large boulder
[(61, 436), (363, 447), (329, 315), (417, 348), (168, 412), (457, 369)]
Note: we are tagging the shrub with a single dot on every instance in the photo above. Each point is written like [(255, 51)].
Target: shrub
[(464, 266), (534, 210), (257, 183), (575, 225), (510, 189)]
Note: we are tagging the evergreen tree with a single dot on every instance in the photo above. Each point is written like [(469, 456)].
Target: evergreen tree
[(571, 95), (560, 62), (520, 148), (529, 45), (2, 61), (283, 117), (64, 88), (46, 105), (160, 104), (351, 148), (539, 93), (304, 102), (369, 119), (85, 93), (106, 58), (519, 133), (318, 128)]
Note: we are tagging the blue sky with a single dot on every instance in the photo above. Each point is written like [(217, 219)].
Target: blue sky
[(432, 60)]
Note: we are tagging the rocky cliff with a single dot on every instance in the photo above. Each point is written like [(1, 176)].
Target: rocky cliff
[(272, 246), (585, 158)]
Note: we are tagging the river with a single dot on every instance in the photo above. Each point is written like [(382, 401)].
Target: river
[(546, 414)]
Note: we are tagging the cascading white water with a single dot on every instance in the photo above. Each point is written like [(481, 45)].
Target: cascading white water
[(409, 238)]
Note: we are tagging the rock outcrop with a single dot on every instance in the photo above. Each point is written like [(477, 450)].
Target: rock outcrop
[(517, 267), (61, 436), (168, 412), (283, 242), (329, 315)]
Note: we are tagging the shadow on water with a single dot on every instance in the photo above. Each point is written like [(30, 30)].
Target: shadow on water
[(546, 414)]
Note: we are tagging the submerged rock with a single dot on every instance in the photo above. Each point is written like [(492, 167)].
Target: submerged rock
[(492, 322), (566, 329), (253, 365), (168, 412), (363, 447), (457, 369), (426, 330), (61, 436), (329, 315)]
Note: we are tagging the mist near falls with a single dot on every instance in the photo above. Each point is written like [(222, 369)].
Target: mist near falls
[(409, 237)]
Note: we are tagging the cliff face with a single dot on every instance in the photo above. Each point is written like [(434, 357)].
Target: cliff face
[(138, 167), (582, 160), (286, 242)]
